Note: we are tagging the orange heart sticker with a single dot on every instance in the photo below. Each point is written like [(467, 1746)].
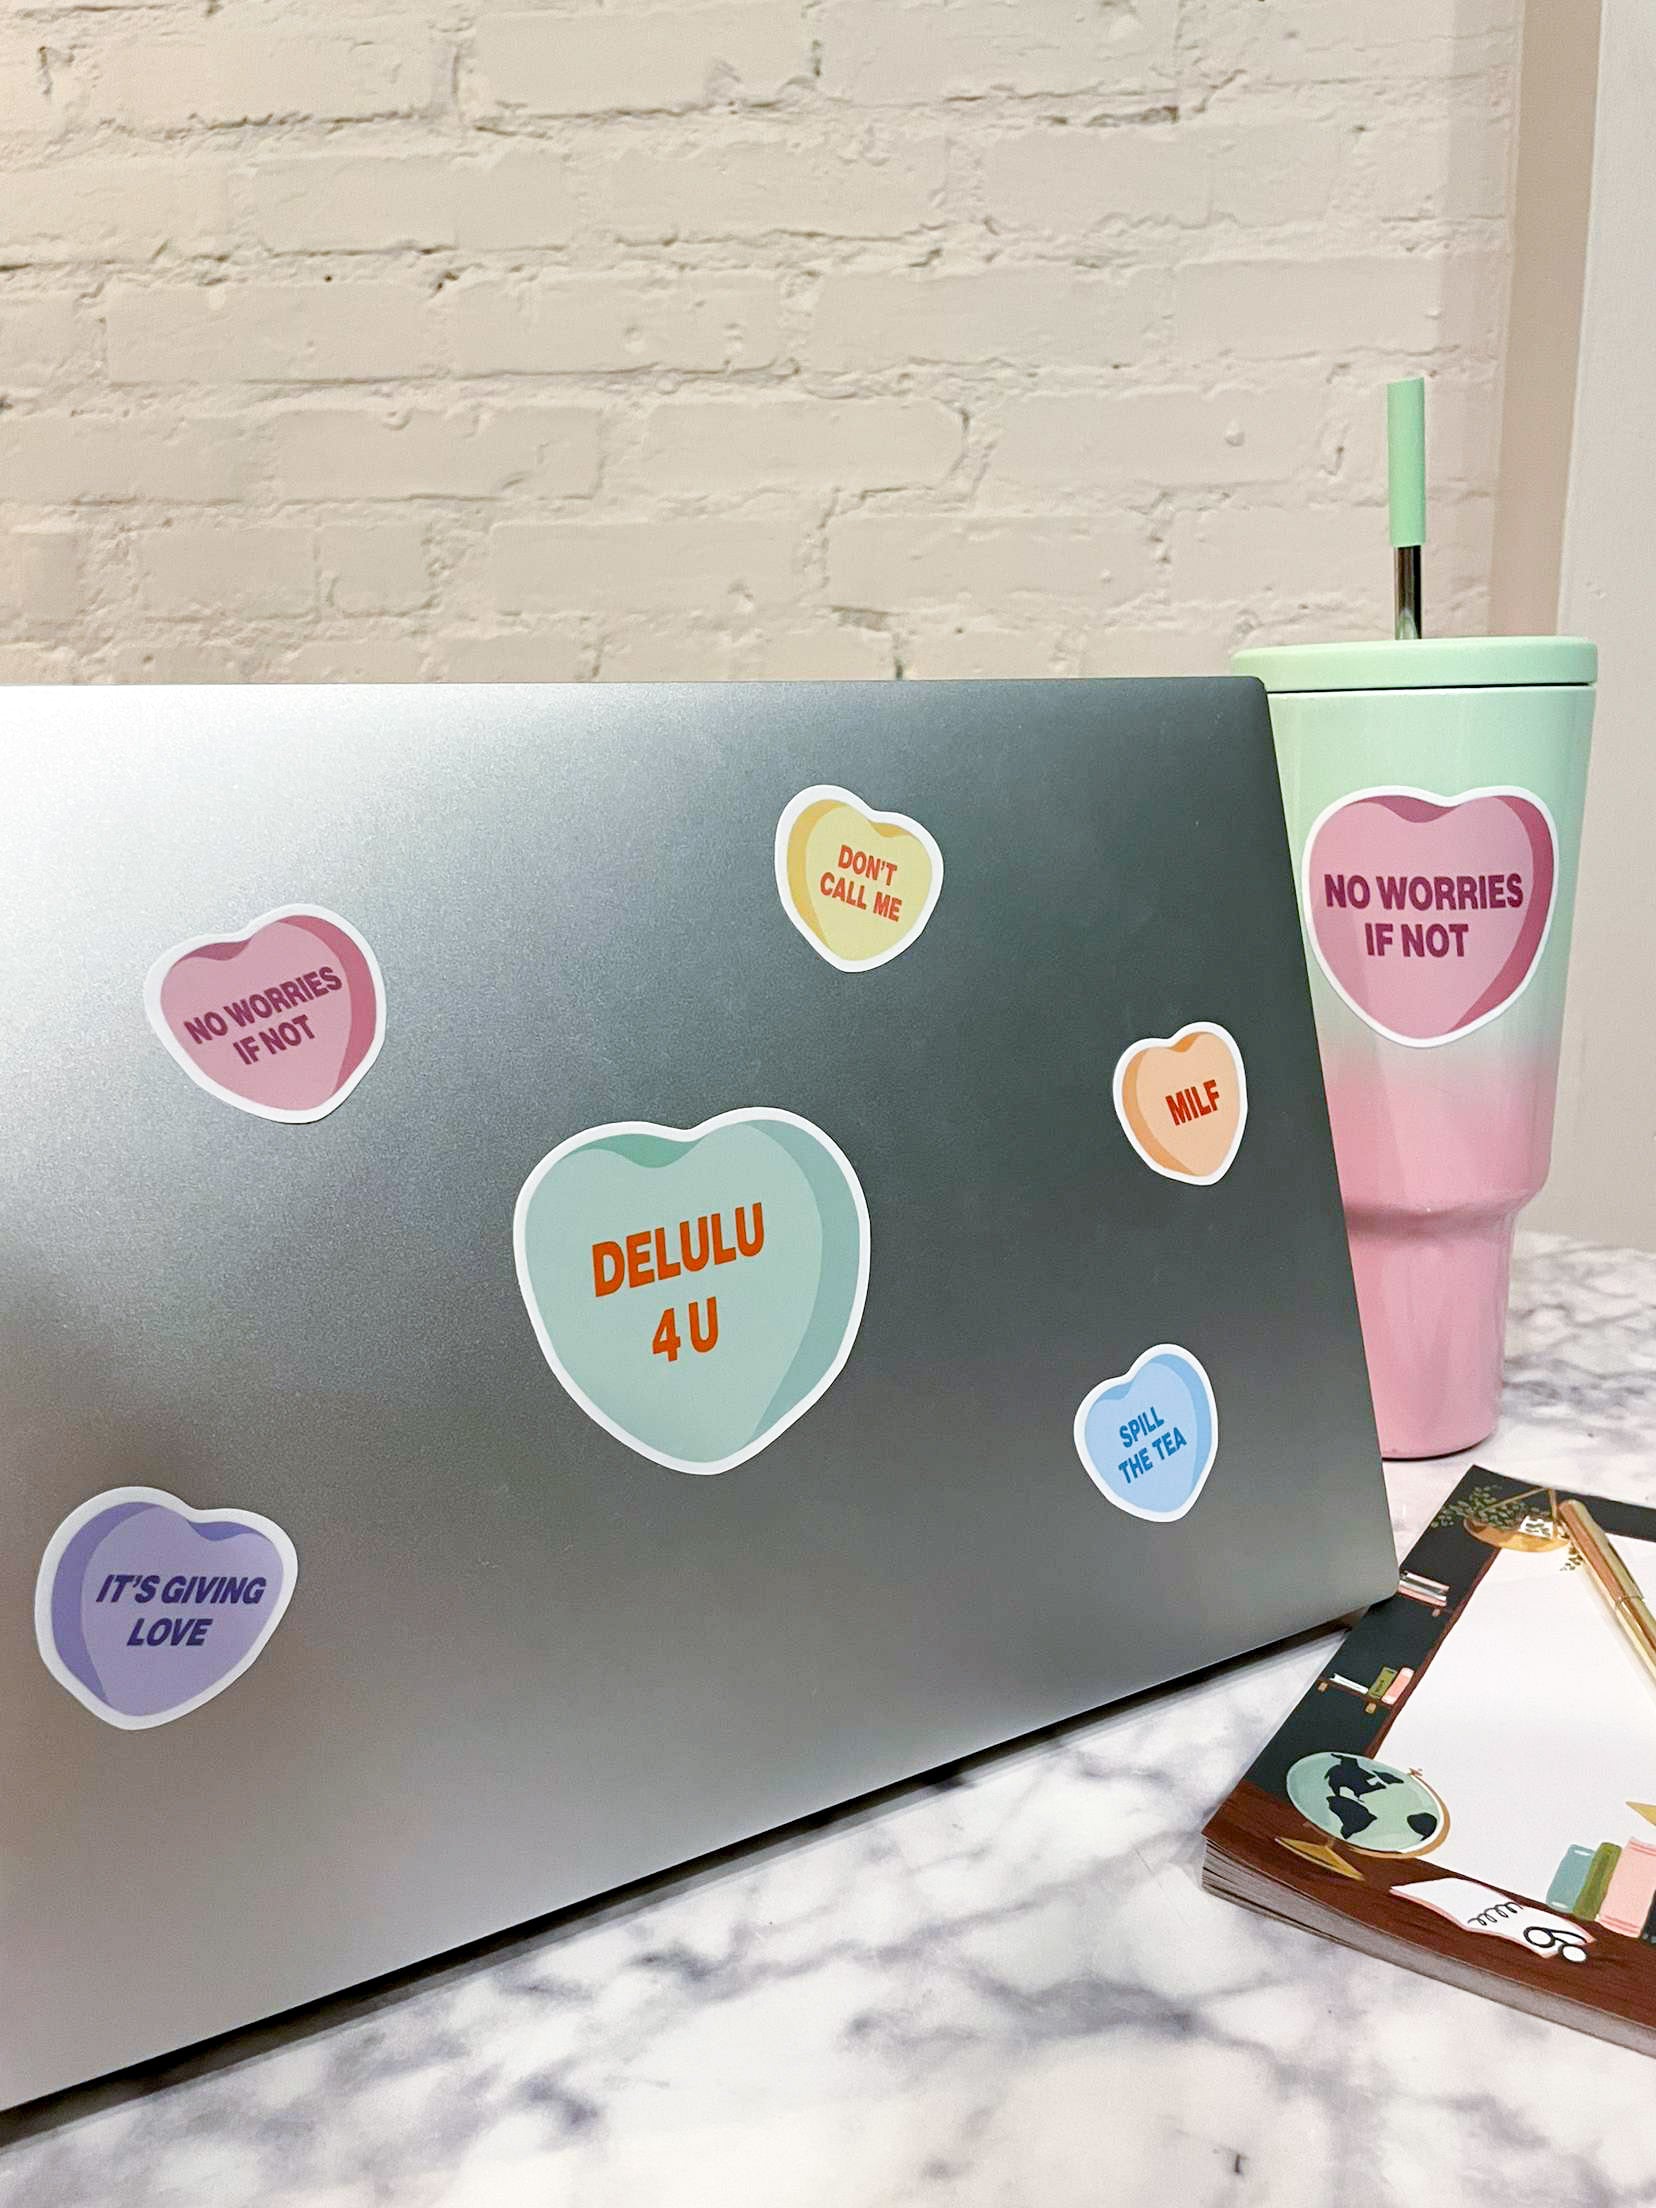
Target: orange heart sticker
[(858, 885), (1183, 1101)]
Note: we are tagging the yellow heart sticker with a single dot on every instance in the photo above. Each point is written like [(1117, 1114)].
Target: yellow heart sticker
[(1183, 1101), (858, 885)]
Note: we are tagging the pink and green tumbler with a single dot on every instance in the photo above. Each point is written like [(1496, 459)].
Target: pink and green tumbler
[(1433, 791)]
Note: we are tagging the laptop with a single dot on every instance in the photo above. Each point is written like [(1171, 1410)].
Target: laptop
[(589, 1271)]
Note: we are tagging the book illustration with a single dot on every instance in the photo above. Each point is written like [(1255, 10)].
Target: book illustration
[(1631, 1890), (1373, 1807), (1479, 1908), (1149, 1436), (857, 884), (1609, 1885), (695, 1290), (1182, 1101), (1387, 1688), (1596, 1884), (1564, 1887), (282, 1020), (1431, 1594)]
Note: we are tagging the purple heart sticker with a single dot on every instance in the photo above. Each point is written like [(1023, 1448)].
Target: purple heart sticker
[(145, 1609)]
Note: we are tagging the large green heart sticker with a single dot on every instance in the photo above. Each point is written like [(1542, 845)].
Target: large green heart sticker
[(695, 1290)]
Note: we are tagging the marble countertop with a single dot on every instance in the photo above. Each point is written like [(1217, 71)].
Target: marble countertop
[(1002, 1990)]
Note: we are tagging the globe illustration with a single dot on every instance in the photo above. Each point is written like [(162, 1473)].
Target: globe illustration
[(1373, 1807)]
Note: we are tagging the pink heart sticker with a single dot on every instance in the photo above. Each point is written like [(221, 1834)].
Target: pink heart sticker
[(282, 1020), (1428, 914)]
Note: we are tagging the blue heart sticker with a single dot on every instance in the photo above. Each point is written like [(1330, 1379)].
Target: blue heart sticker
[(1149, 1437)]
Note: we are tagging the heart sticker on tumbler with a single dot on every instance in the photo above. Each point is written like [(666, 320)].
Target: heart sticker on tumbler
[(145, 1609), (1149, 1438), (1429, 914), (1183, 1101), (858, 885), (282, 1020), (695, 1290)]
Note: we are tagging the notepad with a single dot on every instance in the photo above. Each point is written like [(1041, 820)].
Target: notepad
[(1470, 1787)]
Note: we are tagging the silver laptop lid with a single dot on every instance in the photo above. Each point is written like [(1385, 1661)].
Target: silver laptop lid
[(521, 1585)]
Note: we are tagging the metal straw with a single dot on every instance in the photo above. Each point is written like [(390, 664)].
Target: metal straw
[(1406, 472)]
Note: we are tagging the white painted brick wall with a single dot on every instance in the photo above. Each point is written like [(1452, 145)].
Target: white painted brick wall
[(487, 338)]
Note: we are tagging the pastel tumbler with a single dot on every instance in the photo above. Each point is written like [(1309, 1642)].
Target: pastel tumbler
[(1433, 792)]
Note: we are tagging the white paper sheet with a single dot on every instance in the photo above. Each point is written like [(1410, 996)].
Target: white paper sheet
[(1535, 1723)]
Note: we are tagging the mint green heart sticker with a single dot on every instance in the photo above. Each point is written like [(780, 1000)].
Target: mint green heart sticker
[(695, 1290)]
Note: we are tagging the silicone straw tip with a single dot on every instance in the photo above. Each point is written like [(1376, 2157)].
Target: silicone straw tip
[(1406, 459)]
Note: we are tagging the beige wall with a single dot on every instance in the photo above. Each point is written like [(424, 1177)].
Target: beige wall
[(755, 337), (1552, 191), (1604, 1178)]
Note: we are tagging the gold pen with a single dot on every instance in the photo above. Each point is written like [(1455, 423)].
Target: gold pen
[(1614, 1582)]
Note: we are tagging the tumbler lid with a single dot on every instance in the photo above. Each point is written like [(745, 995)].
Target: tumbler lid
[(1423, 663)]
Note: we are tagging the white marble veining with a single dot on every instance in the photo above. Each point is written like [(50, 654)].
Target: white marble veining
[(1004, 1992)]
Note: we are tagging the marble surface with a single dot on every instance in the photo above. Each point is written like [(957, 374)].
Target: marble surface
[(1002, 1991)]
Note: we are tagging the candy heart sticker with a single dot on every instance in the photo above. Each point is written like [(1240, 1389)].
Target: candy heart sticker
[(695, 1290), (145, 1609), (1183, 1101), (282, 1020), (858, 885), (1429, 914), (1149, 1438)]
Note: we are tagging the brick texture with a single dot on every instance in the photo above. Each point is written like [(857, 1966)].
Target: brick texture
[(470, 339)]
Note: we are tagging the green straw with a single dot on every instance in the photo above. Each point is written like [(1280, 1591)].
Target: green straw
[(1406, 482)]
